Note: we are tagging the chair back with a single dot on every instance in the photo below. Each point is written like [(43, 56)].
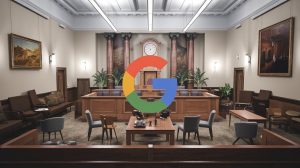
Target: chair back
[(89, 117), (106, 120), (191, 123), (33, 98), (246, 129), (264, 94), (245, 96), (52, 124), (211, 117)]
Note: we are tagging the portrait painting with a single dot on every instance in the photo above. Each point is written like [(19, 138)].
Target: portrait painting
[(275, 55), (25, 53)]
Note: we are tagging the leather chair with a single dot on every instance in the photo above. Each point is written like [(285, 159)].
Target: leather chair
[(55, 124), (245, 130), (92, 123), (245, 99), (261, 102), (275, 117), (190, 124), (208, 124)]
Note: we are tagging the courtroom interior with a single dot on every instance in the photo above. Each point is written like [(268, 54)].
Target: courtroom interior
[(149, 83)]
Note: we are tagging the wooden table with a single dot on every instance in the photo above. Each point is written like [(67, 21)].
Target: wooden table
[(163, 127), (247, 116)]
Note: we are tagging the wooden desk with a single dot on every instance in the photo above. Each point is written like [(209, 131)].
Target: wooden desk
[(162, 127), (247, 116)]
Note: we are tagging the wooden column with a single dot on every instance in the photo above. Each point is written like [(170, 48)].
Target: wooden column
[(127, 60), (109, 51), (173, 55)]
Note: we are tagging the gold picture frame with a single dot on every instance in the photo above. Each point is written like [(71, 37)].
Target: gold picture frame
[(25, 53)]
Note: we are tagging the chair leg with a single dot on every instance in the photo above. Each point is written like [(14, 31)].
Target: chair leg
[(89, 133), (177, 133), (49, 134), (116, 134), (62, 138), (103, 134), (270, 125), (106, 130), (235, 141), (188, 135), (55, 135), (184, 135), (43, 136), (198, 137), (251, 141), (211, 133)]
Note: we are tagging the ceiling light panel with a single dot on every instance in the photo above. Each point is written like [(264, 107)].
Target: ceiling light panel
[(150, 14)]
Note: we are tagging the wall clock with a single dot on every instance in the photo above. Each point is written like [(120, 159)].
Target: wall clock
[(150, 47)]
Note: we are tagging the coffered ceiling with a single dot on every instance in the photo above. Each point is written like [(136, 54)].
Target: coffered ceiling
[(139, 7), (168, 15)]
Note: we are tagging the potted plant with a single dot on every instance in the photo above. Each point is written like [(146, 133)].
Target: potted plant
[(182, 75), (100, 78), (225, 92), (117, 76), (199, 80)]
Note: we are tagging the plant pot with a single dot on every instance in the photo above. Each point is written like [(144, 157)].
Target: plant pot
[(180, 87), (116, 92), (183, 92), (196, 92), (105, 92), (119, 87)]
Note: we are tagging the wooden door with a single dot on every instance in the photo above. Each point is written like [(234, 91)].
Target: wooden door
[(83, 87), (61, 81), (238, 83)]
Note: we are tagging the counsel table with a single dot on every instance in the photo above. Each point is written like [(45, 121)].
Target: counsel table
[(163, 127), (247, 116)]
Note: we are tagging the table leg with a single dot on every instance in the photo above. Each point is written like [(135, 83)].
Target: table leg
[(133, 137), (167, 137), (229, 119), (128, 138), (172, 138)]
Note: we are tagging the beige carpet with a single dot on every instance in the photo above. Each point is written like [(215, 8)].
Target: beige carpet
[(76, 130)]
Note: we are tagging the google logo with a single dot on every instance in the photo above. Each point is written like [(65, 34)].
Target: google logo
[(168, 84)]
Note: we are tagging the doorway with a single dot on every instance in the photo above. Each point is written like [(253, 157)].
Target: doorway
[(61, 81), (238, 83)]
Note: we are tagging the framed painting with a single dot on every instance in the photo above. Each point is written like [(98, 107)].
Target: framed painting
[(275, 55), (25, 53)]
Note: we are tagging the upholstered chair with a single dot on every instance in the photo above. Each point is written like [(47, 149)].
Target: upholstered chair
[(246, 130), (208, 124), (190, 124), (55, 124), (92, 123), (245, 99)]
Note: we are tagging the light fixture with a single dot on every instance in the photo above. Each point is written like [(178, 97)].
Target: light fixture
[(150, 15), (96, 6), (201, 9), (215, 66), (51, 58), (249, 58), (83, 64)]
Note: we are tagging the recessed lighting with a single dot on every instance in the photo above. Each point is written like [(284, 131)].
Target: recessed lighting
[(96, 6), (201, 9)]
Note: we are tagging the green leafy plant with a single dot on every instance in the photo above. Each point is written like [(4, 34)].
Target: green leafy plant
[(100, 78), (225, 91), (199, 78), (182, 75), (117, 76)]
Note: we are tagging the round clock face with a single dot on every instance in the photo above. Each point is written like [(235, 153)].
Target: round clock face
[(150, 49)]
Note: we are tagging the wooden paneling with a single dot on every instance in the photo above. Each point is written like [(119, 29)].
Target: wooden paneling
[(118, 106), (271, 138), (28, 138)]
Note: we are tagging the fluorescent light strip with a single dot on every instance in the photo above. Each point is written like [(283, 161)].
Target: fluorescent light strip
[(150, 15), (96, 6), (201, 9)]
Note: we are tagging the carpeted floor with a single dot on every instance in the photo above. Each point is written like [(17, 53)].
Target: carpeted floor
[(76, 130)]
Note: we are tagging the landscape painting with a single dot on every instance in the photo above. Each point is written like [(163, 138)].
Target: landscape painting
[(276, 49), (181, 52), (25, 53), (118, 53)]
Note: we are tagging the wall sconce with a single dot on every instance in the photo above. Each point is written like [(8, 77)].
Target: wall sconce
[(51, 58), (83, 64), (248, 58), (215, 66)]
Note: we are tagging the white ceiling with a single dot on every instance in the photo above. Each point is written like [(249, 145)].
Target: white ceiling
[(131, 15), (139, 7)]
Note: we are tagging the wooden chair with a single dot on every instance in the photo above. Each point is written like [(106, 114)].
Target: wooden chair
[(108, 124), (245, 99), (275, 117)]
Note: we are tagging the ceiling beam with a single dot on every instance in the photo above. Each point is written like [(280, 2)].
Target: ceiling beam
[(164, 5), (136, 5)]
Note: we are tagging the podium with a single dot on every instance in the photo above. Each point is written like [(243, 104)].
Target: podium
[(146, 77)]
